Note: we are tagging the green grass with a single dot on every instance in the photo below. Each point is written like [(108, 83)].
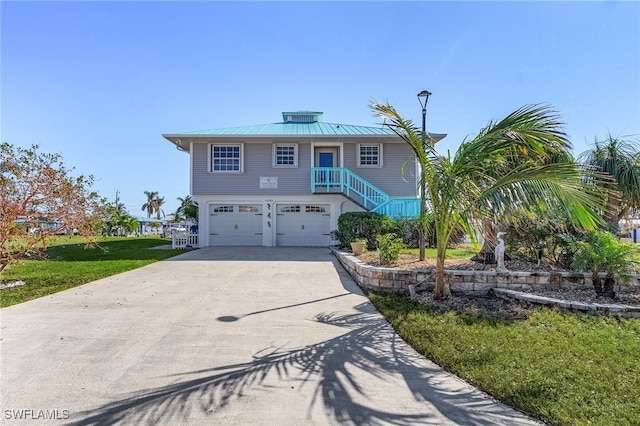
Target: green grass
[(561, 368), (452, 253), (69, 263)]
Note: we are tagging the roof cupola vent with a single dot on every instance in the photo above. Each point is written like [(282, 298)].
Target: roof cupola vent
[(302, 117)]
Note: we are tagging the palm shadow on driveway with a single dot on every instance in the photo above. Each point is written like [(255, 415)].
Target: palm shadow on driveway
[(339, 371)]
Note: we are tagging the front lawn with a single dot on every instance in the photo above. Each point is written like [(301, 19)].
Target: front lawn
[(463, 252), (561, 368), (69, 263)]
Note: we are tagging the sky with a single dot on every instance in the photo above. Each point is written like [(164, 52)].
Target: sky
[(100, 82)]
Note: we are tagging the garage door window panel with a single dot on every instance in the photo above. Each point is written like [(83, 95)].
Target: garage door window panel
[(223, 209), (290, 209), (315, 209)]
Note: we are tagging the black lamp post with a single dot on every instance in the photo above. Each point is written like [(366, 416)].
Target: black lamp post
[(424, 95), (423, 98)]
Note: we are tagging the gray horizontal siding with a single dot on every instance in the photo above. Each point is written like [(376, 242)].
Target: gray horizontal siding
[(258, 159), (390, 177)]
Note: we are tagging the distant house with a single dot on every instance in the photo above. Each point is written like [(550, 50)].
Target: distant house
[(150, 226), (286, 183)]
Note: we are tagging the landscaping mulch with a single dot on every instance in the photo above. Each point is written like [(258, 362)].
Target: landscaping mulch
[(491, 305)]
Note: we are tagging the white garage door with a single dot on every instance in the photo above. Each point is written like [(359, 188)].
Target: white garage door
[(303, 225), (235, 225)]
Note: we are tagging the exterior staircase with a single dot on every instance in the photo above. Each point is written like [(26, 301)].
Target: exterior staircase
[(368, 196)]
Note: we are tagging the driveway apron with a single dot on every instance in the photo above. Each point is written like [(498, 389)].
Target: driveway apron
[(225, 336)]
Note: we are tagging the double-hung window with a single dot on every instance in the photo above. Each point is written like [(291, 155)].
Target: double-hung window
[(226, 158), (369, 155), (285, 155)]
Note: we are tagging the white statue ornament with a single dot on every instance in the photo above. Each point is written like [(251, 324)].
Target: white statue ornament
[(499, 253)]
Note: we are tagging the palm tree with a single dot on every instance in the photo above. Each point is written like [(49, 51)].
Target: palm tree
[(120, 207), (177, 216), (462, 189), (556, 151), (149, 206), (153, 204), (120, 223), (159, 203), (604, 252), (617, 158), (188, 208), (130, 223)]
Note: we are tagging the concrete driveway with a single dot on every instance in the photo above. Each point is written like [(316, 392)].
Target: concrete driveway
[(224, 336)]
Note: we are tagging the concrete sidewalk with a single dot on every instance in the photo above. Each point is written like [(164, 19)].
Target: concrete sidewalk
[(224, 336)]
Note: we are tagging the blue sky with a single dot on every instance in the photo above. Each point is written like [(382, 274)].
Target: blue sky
[(99, 82)]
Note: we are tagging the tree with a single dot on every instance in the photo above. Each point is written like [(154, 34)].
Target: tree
[(159, 211), (120, 207), (454, 196), (40, 198), (604, 252), (120, 223), (617, 158), (497, 219), (188, 208), (154, 204), (177, 216)]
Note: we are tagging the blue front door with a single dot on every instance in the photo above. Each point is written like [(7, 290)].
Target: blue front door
[(325, 159)]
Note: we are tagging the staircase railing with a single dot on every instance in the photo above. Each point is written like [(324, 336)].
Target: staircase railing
[(342, 180), (400, 207)]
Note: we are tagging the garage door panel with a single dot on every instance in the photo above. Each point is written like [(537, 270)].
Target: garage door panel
[(235, 225), (303, 225)]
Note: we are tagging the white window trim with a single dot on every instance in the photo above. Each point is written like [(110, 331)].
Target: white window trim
[(369, 166), (210, 160), (285, 166)]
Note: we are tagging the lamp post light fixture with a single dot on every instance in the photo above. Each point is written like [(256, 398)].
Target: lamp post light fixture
[(421, 243), (424, 94)]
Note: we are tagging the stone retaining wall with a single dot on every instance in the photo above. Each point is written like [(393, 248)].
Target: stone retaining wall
[(398, 281), (609, 309)]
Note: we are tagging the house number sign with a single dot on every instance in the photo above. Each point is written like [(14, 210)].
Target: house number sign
[(268, 183)]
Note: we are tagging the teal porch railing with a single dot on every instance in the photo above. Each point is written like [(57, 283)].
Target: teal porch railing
[(400, 208), (354, 187)]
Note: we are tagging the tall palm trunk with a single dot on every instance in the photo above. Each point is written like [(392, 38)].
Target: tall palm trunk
[(597, 283), (604, 287), (442, 290), (490, 242)]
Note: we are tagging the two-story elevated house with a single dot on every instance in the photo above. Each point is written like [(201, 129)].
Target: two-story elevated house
[(286, 183)]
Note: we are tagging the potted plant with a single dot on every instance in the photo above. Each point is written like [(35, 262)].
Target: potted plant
[(358, 246)]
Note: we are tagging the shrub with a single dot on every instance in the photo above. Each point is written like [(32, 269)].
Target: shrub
[(356, 225), (529, 239), (604, 252), (536, 238), (390, 247), (409, 231)]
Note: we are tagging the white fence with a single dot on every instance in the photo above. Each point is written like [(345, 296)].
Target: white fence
[(181, 239)]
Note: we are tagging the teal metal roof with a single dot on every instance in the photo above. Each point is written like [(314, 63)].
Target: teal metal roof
[(148, 219), (295, 128), (296, 123)]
